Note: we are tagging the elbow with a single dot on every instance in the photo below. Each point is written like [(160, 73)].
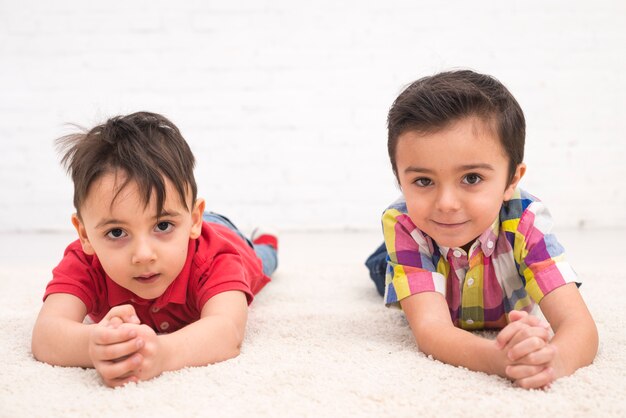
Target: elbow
[(235, 352), (426, 337), (229, 352), (34, 348), (594, 343), (235, 347), (589, 342), (426, 346), (42, 346), (232, 341), (37, 347)]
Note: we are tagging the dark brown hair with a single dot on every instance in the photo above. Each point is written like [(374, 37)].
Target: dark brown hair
[(432, 103), (145, 147)]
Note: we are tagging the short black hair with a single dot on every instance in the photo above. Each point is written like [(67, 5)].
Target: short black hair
[(432, 103), (146, 147)]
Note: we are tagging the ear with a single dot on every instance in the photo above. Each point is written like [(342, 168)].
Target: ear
[(517, 176), (82, 235), (196, 219)]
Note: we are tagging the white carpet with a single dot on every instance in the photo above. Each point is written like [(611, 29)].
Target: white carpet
[(319, 343)]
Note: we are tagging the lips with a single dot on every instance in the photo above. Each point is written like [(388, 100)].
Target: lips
[(147, 278), (449, 225)]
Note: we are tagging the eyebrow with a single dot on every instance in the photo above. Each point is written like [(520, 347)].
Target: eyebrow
[(167, 214), (106, 222), (112, 221), (465, 167)]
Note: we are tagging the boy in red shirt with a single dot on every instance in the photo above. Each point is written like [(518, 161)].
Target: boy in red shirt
[(148, 260)]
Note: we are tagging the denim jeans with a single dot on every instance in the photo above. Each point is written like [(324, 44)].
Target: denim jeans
[(267, 253), (377, 265)]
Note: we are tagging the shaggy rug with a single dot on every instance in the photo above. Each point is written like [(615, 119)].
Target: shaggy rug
[(319, 342)]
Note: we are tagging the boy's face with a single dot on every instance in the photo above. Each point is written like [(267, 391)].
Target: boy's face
[(454, 180), (137, 250)]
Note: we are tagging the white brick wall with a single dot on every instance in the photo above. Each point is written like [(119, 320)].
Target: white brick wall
[(285, 102)]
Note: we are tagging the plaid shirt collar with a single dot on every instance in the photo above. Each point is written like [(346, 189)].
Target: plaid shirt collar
[(487, 242)]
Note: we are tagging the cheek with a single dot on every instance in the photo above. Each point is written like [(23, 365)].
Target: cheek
[(487, 207), (176, 249), (417, 209), (112, 265)]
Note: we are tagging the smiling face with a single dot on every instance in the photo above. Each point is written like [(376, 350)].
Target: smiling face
[(454, 180), (138, 250)]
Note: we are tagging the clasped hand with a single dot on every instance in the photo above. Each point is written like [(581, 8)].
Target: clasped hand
[(122, 349), (527, 354)]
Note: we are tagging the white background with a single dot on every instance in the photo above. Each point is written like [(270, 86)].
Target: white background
[(284, 103)]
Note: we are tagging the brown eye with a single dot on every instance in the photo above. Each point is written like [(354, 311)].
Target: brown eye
[(115, 233), (423, 182), (472, 179), (163, 226)]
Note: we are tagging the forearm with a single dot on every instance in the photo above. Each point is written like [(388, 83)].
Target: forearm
[(61, 342), (208, 340), (575, 332), (457, 347), (576, 342), (436, 335)]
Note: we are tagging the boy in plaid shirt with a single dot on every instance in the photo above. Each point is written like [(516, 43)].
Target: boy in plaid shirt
[(465, 248)]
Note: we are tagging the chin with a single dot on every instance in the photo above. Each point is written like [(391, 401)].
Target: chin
[(452, 243)]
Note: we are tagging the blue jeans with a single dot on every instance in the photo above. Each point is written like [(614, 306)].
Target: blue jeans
[(267, 253), (377, 265)]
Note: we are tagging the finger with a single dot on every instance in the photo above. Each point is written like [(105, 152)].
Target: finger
[(531, 320), (131, 378), (115, 322), (517, 372), (517, 315), (125, 312), (527, 318), (106, 336), (542, 356), (508, 332), (117, 352), (535, 321), (120, 370), (539, 380), (526, 341)]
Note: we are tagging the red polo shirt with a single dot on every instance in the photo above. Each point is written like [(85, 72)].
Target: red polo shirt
[(218, 261)]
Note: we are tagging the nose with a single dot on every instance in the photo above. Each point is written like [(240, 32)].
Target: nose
[(143, 252), (447, 199)]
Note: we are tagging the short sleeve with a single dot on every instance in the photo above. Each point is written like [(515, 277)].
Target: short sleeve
[(540, 257), (410, 265), (76, 276), (225, 272)]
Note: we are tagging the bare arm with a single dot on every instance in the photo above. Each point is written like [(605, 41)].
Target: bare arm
[(436, 335), (575, 333), (216, 336), (59, 336)]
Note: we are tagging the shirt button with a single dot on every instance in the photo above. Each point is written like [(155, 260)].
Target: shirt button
[(470, 281), (489, 244), (164, 325), (155, 309), (469, 321), (457, 253)]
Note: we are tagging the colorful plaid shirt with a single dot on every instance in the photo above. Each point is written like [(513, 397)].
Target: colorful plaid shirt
[(512, 265)]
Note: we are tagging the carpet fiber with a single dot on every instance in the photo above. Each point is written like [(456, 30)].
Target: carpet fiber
[(319, 342)]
